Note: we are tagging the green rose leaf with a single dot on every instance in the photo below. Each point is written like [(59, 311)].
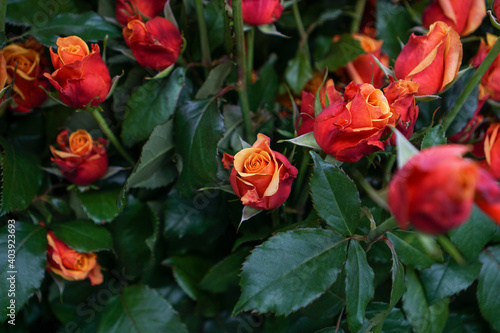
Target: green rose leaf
[(422, 316), (140, 309), (489, 284), (359, 285), (198, 127), (88, 26), (20, 177), (100, 206), (307, 261), (335, 196), (83, 236), (152, 104)]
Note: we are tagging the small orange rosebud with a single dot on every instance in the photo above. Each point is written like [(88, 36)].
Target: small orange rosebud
[(70, 264), (261, 177), (81, 159)]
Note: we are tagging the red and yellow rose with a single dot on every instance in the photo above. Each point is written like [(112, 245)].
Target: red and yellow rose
[(261, 177), (81, 77), (81, 159)]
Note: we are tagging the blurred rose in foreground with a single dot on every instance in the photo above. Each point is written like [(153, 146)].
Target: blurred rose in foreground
[(24, 65), (155, 44), (464, 16), (144, 8), (81, 77), (81, 159), (431, 60), (436, 189), (70, 264), (352, 129), (261, 177)]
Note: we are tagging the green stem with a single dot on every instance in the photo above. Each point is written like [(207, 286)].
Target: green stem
[(474, 81), (250, 53), (451, 249), (358, 15), (205, 49), (375, 233), (302, 31), (109, 134), (242, 68)]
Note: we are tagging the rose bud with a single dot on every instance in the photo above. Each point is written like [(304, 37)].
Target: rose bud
[(464, 16), (81, 77), (261, 177), (401, 98), (490, 82), (144, 8), (155, 44), (258, 12), (492, 150), (25, 66), (305, 121), (431, 60), (435, 190), (364, 69), (70, 264), (352, 129), (81, 159)]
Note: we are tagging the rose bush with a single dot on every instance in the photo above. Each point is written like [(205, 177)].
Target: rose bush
[(352, 211)]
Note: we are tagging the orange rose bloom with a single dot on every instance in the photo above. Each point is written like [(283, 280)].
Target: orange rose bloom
[(364, 69), (305, 121), (490, 82), (24, 65), (464, 16), (81, 77), (492, 150), (261, 177), (70, 264), (81, 159), (352, 129), (432, 60), (435, 190)]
